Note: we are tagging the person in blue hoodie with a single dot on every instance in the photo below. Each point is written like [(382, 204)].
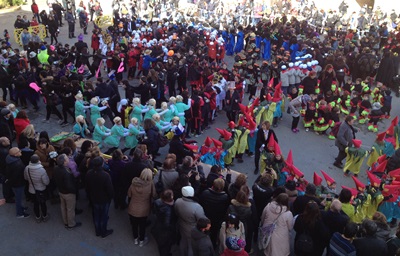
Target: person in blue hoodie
[(230, 43), (147, 60)]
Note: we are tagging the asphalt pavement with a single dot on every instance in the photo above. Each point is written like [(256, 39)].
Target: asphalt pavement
[(311, 152)]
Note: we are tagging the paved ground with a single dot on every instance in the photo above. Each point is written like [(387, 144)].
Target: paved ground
[(24, 237)]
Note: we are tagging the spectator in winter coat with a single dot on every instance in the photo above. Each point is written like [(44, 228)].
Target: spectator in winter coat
[(201, 242), (188, 212), (262, 192), (15, 176), (215, 202), (370, 244), (100, 190), (334, 218), (37, 178), (6, 129)]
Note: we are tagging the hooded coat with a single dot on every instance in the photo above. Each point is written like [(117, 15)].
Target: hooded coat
[(141, 193), (15, 171), (201, 243)]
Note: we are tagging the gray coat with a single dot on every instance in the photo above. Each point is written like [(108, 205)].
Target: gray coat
[(38, 179), (201, 244), (188, 212), (345, 136)]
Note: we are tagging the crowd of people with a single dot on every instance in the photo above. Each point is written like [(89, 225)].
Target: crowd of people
[(175, 81)]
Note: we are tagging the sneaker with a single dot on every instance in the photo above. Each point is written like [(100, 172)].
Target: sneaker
[(46, 218), (77, 225), (24, 216), (38, 220), (46, 121), (338, 165), (255, 171), (108, 232), (64, 124), (136, 242), (297, 130), (144, 242), (294, 130), (307, 129)]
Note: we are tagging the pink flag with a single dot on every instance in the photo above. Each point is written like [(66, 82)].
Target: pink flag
[(121, 67)]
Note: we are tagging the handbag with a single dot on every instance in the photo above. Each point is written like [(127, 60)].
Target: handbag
[(40, 195), (265, 233), (159, 185), (162, 140)]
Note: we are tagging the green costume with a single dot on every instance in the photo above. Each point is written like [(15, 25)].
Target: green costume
[(95, 113), (376, 152), (149, 114), (354, 159), (80, 109), (131, 140), (99, 133), (180, 109)]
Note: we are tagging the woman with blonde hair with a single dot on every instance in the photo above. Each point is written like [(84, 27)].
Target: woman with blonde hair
[(138, 109), (166, 113), (27, 137), (141, 194), (162, 125), (100, 131), (80, 108), (117, 132), (135, 130), (81, 128), (181, 108)]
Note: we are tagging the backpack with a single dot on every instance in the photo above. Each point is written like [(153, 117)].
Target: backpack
[(159, 185), (304, 244), (335, 129)]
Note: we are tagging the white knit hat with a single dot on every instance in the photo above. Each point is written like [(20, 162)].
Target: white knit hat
[(187, 191)]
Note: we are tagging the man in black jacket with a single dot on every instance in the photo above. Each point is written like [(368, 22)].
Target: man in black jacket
[(215, 203), (301, 201), (370, 244), (6, 130), (132, 169), (100, 190), (65, 182), (263, 136), (15, 178)]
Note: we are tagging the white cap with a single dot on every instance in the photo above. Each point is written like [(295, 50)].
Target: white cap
[(290, 65), (187, 191), (309, 64), (303, 66), (283, 67), (297, 63)]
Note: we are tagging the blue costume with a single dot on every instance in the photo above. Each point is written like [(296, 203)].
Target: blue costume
[(267, 49), (258, 41), (230, 44), (240, 42), (251, 141)]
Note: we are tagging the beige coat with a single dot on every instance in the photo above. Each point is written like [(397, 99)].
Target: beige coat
[(280, 240), (45, 159), (141, 194)]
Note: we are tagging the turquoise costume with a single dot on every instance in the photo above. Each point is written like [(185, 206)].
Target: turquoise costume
[(99, 133), (168, 115), (131, 140), (95, 113), (180, 109), (117, 131), (149, 114), (80, 109), (137, 113), (80, 130)]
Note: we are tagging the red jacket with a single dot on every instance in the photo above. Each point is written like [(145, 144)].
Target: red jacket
[(95, 42), (35, 8), (212, 50), (221, 52), (228, 252), (20, 124)]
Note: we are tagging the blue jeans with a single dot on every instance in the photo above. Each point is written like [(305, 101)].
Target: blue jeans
[(19, 192), (100, 218)]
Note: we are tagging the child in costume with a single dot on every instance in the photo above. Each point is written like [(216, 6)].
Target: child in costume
[(354, 159), (330, 189), (374, 117), (364, 110), (100, 131), (375, 193), (377, 149), (310, 115), (80, 108), (227, 143), (278, 163), (387, 103), (181, 108), (151, 105), (161, 125)]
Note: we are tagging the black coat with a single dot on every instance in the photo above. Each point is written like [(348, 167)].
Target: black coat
[(386, 71), (15, 171), (65, 180), (176, 147), (152, 140), (99, 186), (6, 129), (309, 85), (232, 101), (215, 204), (261, 138), (319, 234), (301, 201), (262, 196), (367, 246), (132, 169), (335, 221)]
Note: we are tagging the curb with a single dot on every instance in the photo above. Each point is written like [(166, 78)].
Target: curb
[(10, 9)]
